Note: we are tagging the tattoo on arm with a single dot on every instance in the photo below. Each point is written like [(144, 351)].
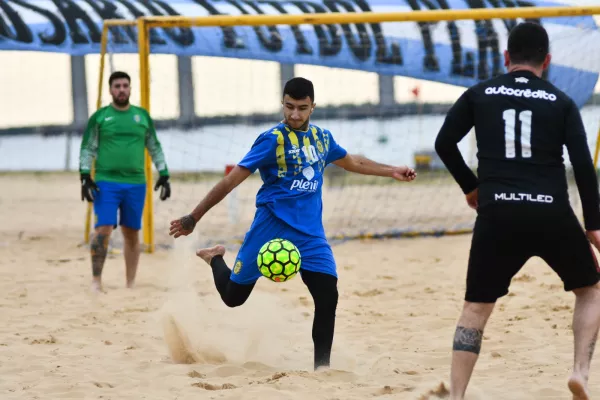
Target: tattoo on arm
[(592, 346), (467, 339), (188, 223), (99, 248)]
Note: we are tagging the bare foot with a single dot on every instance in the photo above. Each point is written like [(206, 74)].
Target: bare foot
[(130, 285), (208, 254), (577, 386), (97, 286)]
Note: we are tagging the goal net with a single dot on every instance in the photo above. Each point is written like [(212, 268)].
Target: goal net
[(382, 87)]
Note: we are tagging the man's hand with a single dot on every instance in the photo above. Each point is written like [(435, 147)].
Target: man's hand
[(165, 187), (185, 225), (88, 188), (594, 238), (473, 199), (404, 174), (182, 226)]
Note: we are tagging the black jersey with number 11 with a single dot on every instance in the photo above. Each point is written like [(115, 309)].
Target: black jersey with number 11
[(521, 124)]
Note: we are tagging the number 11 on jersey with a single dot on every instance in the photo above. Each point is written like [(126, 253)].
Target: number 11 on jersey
[(510, 138)]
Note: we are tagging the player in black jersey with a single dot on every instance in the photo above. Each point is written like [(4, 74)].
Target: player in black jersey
[(521, 124)]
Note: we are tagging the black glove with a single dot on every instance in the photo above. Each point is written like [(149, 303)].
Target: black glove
[(88, 188), (165, 187)]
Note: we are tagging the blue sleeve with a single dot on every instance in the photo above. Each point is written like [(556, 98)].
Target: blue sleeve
[(262, 152), (336, 151)]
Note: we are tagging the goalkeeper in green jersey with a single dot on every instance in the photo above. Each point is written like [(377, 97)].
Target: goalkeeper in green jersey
[(116, 137)]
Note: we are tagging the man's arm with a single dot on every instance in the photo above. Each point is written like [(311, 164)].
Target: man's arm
[(158, 158), (87, 154), (155, 149), (262, 153), (583, 168), (89, 146), (185, 225), (457, 124), (362, 165)]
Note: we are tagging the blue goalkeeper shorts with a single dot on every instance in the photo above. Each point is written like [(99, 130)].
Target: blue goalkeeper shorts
[(315, 252), (126, 199)]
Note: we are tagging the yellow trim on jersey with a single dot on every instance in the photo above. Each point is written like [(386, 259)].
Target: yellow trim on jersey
[(296, 156), (280, 154), (320, 148), (326, 140)]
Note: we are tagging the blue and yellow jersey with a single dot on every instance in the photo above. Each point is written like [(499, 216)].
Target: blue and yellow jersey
[(291, 165)]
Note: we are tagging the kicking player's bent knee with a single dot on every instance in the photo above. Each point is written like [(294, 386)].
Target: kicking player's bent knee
[(234, 294), (233, 302)]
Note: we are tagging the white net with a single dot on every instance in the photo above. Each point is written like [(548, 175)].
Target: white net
[(236, 99)]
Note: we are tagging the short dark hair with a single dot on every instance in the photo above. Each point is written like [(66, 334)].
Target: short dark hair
[(299, 88), (118, 75), (528, 43)]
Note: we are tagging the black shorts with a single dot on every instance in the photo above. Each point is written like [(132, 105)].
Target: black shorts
[(501, 246)]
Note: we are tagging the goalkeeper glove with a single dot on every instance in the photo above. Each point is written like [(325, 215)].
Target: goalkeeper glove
[(88, 188), (165, 187)]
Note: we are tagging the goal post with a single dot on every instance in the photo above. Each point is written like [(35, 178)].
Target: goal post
[(392, 228)]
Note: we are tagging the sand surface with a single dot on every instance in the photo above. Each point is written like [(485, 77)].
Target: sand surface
[(399, 301)]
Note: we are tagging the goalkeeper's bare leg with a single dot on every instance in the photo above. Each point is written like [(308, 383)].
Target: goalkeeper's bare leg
[(98, 250), (131, 251)]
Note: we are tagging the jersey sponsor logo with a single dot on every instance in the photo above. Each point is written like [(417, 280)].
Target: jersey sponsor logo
[(527, 93), (137, 118), (302, 185), (294, 150), (521, 79), (540, 198), (108, 118)]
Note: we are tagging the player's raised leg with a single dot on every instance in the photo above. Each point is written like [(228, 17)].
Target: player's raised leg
[(586, 320), (467, 344), (233, 294)]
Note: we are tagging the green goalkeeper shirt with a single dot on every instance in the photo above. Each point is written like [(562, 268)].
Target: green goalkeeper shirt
[(116, 140)]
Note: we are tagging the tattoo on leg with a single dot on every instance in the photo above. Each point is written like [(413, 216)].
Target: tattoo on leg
[(592, 347), (99, 248), (467, 339)]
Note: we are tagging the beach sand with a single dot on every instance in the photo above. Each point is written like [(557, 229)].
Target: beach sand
[(171, 337)]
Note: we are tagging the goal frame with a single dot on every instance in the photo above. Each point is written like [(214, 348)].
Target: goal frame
[(145, 24)]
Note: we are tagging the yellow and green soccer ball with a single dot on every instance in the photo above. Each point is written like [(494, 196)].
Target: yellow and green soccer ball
[(278, 260)]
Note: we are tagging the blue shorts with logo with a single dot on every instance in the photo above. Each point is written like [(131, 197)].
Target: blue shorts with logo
[(125, 198), (315, 252)]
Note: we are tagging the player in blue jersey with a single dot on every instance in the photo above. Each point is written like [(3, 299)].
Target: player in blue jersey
[(291, 158)]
